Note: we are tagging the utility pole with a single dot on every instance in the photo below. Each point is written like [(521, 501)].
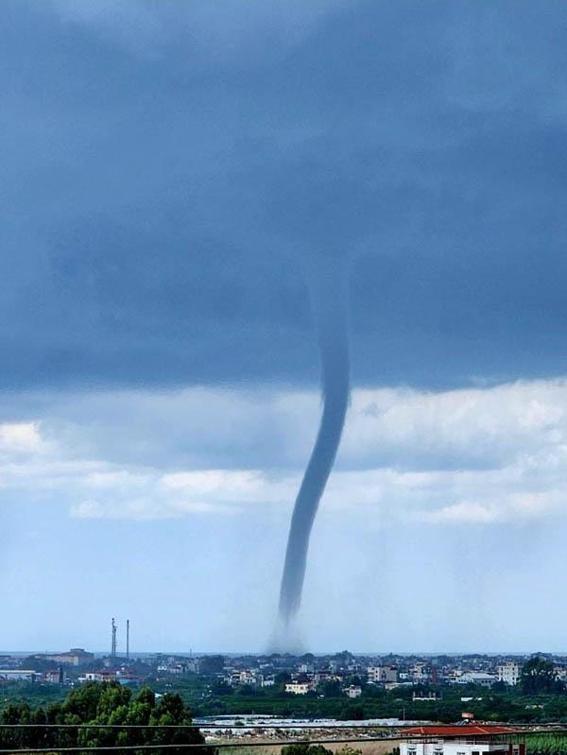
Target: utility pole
[(127, 639)]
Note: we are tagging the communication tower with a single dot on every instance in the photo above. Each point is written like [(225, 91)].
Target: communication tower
[(113, 648)]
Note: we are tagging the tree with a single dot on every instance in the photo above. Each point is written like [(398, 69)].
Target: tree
[(211, 664), (97, 708), (348, 750), (305, 749), (538, 677), (331, 689)]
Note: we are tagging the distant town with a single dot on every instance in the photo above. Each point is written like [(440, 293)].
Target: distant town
[(341, 685), (298, 675), (460, 704)]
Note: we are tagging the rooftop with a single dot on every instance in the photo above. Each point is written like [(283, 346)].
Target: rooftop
[(459, 730)]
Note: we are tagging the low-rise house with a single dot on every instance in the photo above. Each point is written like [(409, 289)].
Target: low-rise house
[(477, 677), (463, 739), (425, 697), (98, 676), (298, 688), (242, 677), (171, 668), (353, 691), (18, 675)]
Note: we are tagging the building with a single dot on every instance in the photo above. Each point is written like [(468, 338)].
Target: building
[(55, 677), (98, 676), (171, 668), (353, 691), (509, 673), (242, 678), (463, 739), (477, 677), (306, 668), (425, 697), (75, 657), (382, 674), (298, 688), (18, 675), (560, 673), (419, 673)]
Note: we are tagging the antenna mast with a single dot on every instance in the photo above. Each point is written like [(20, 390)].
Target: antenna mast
[(113, 649)]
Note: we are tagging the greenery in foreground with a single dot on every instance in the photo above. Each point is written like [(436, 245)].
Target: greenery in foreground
[(112, 704), (546, 744), (305, 749), (101, 704)]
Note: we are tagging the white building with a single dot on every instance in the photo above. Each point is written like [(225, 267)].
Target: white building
[(477, 677), (171, 668), (425, 697), (509, 673), (353, 691), (298, 688), (242, 677), (464, 739), (97, 676)]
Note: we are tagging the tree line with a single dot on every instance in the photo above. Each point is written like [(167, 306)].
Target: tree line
[(92, 708)]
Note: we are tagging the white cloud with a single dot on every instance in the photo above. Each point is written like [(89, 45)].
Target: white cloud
[(484, 455), (516, 507), (143, 509), (463, 428), (231, 486), (20, 437)]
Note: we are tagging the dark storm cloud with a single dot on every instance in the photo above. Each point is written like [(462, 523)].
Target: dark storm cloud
[(166, 177)]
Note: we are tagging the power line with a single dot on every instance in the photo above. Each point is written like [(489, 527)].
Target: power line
[(518, 731), (222, 727), (210, 745)]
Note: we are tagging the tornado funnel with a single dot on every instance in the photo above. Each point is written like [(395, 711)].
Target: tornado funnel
[(329, 297)]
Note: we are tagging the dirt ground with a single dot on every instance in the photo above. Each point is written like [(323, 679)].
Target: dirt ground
[(367, 748)]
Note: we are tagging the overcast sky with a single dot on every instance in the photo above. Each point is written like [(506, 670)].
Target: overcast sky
[(173, 175)]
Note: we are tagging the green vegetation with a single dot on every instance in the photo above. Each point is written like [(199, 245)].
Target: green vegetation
[(101, 705), (546, 744), (35, 693), (208, 697), (538, 677), (539, 698), (499, 704), (305, 749)]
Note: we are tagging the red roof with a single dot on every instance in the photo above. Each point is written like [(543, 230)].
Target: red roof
[(465, 730)]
